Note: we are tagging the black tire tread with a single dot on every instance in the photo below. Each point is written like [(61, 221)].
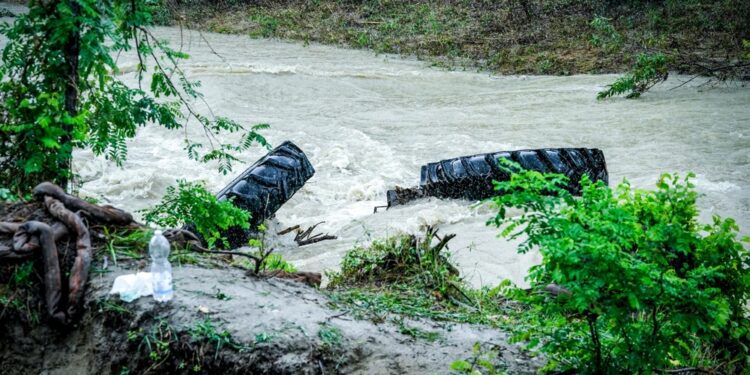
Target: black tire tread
[(470, 177), (266, 185)]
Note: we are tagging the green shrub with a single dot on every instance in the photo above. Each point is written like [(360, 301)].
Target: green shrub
[(191, 203), (276, 262), (642, 286), (605, 36), (649, 70), (399, 259)]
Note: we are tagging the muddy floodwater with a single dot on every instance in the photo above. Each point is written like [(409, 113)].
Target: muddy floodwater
[(368, 122)]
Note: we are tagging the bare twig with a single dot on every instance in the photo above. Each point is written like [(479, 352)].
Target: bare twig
[(305, 237)]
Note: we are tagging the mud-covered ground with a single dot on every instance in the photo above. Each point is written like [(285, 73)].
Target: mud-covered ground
[(259, 325)]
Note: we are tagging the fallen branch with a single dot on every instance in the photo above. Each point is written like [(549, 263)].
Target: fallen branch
[(305, 237)]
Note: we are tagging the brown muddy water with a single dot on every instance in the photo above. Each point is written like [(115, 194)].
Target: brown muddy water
[(368, 122)]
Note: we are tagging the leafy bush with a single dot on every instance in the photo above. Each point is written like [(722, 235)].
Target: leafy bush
[(639, 285), (482, 362), (191, 203), (605, 36), (649, 70), (60, 89), (400, 259)]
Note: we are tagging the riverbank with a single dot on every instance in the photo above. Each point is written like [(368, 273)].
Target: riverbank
[(226, 317), (556, 37), (224, 320)]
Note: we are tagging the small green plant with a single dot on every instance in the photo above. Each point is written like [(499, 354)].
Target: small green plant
[(8, 196), (277, 262), (157, 341), (126, 243), (416, 332), (629, 282), (206, 331), (330, 336), (265, 259), (605, 35), (481, 362), (22, 275), (191, 203), (263, 337), (221, 296), (649, 70)]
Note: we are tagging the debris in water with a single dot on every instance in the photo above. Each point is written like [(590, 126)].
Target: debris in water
[(266, 185), (470, 177)]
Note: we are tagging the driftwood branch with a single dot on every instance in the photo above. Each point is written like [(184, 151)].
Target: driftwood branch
[(305, 237)]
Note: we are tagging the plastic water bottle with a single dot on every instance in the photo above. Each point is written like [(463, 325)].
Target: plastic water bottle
[(161, 270)]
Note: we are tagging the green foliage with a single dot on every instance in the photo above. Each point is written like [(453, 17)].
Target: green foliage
[(277, 262), (393, 278), (22, 275), (644, 285), (399, 259), (60, 90), (330, 336), (166, 345), (205, 331), (605, 36), (649, 70), (416, 332), (126, 243), (481, 362), (156, 342), (192, 203), (265, 259), (8, 196)]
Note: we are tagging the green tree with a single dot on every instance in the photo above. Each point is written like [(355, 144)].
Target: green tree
[(630, 282), (60, 90)]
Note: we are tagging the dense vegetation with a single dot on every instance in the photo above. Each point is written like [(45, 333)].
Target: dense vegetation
[(191, 203), (630, 282), (506, 36), (60, 89)]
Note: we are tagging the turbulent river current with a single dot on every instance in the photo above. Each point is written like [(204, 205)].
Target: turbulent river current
[(368, 122)]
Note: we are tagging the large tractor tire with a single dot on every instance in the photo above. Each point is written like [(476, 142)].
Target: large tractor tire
[(470, 177), (264, 187)]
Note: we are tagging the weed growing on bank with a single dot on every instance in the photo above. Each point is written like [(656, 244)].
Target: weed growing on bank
[(411, 276)]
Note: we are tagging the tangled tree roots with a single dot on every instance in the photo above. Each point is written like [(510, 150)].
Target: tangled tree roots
[(31, 237)]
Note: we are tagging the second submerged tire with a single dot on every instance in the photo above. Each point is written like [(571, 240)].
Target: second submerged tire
[(470, 177)]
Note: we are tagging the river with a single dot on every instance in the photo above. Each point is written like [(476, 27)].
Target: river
[(368, 122)]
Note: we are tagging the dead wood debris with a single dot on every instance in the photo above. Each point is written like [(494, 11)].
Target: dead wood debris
[(306, 237)]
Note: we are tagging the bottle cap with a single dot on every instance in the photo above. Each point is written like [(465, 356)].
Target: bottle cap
[(157, 232)]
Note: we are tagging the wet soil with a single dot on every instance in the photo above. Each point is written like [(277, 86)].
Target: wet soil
[(271, 326)]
